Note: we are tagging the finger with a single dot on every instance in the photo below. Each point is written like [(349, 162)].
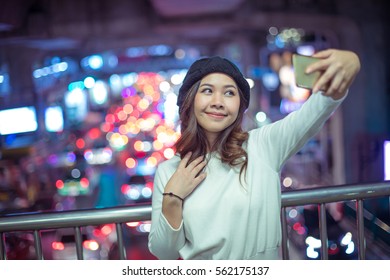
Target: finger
[(340, 90), (335, 86), (321, 65), (326, 78), (198, 168), (200, 178), (195, 162), (323, 54), (183, 163), (322, 83)]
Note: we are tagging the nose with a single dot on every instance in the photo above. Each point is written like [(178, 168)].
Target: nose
[(217, 101)]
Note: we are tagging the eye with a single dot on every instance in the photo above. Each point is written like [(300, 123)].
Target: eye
[(230, 93), (206, 90)]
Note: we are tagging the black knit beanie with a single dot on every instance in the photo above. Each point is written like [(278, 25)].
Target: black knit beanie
[(215, 64)]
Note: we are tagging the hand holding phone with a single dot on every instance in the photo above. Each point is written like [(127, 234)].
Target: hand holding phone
[(300, 63)]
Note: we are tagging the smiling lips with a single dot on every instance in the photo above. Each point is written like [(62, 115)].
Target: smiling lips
[(216, 115)]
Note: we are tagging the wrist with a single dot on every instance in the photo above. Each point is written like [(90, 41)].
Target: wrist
[(174, 196)]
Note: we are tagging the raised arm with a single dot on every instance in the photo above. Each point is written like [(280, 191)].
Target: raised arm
[(285, 137)]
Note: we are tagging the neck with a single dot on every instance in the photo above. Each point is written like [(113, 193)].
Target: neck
[(211, 140)]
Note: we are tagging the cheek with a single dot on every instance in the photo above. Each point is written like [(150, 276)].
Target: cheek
[(199, 102), (234, 107), (197, 106)]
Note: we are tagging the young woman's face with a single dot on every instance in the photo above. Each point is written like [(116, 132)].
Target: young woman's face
[(216, 104)]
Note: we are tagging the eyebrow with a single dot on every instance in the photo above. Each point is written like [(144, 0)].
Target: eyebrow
[(210, 85)]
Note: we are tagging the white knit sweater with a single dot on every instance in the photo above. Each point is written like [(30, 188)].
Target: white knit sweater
[(223, 219)]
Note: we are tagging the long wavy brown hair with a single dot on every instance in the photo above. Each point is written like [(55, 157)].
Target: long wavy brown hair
[(228, 144)]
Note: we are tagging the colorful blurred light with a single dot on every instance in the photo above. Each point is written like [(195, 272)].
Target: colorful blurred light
[(95, 62), (80, 143), (151, 161), (128, 108), (106, 229), (131, 163), (58, 246), (59, 184), (117, 141), (89, 82), (84, 182), (157, 145), (132, 224), (54, 119), (94, 133), (99, 93), (91, 245), (386, 149), (18, 120), (169, 153), (71, 157), (128, 92)]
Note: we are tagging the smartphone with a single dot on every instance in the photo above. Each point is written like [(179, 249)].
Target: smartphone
[(300, 63)]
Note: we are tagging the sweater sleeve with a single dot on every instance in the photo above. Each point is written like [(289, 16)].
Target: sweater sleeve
[(164, 241), (287, 136)]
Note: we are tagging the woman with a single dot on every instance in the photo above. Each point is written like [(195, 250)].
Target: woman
[(219, 197)]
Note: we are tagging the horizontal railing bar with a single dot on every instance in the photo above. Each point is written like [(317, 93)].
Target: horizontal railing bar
[(327, 194), (74, 218), (121, 214)]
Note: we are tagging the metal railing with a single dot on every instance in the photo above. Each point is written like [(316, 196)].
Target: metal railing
[(37, 222), (323, 195)]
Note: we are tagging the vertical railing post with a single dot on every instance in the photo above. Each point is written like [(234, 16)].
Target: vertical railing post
[(360, 227), (3, 252), (121, 246), (323, 231), (79, 243), (284, 235), (38, 245)]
